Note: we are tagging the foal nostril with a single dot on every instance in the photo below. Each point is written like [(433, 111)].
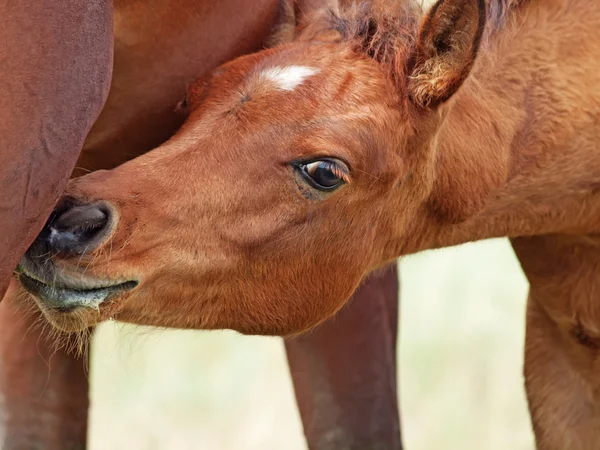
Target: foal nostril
[(79, 229)]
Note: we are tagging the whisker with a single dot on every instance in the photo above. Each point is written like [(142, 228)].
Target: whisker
[(81, 257), (367, 173)]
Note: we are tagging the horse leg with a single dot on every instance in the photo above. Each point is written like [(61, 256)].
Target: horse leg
[(562, 344), (56, 67), (344, 372), (44, 401)]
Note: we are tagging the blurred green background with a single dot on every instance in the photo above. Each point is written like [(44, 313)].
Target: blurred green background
[(462, 330)]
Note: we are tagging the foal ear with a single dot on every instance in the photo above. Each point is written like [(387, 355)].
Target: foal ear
[(292, 15), (447, 44), (284, 28)]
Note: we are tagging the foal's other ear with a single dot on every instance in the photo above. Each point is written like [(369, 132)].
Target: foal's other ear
[(292, 15), (447, 44), (284, 29)]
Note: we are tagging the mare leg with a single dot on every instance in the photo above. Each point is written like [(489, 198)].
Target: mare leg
[(56, 59), (44, 401), (344, 372), (562, 344)]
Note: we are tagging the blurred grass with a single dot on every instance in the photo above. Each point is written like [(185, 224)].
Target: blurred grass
[(462, 330)]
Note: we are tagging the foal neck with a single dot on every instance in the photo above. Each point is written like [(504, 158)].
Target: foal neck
[(516, 152)]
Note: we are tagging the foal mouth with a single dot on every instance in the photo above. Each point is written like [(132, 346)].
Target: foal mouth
[(62, 297)]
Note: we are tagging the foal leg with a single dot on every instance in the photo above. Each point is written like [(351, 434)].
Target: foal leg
[(344, 372), (562, 344), (44, 394)]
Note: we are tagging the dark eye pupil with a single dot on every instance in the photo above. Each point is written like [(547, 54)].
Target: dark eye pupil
[(324, 174), (321, 172)]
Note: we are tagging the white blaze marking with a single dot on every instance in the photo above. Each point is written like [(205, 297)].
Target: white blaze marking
[(289, 77)]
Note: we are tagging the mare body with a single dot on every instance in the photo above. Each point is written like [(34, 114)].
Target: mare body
[(44, 119), (378, 132), (159, 48)]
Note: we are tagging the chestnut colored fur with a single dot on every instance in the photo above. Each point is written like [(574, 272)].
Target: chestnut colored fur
[(159, 47), (473, 120)]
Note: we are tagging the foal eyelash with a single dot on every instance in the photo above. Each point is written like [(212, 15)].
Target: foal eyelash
[(338, 171)]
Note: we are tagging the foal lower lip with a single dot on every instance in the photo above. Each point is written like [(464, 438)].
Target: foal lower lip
[(66, 299)]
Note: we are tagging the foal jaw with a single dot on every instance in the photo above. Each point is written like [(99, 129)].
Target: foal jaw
[(65, 299), (69, 302)]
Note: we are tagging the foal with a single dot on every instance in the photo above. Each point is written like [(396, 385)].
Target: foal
[(379, 132), (159, 46)]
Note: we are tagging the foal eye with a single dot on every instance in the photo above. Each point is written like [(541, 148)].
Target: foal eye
[(324, 174)]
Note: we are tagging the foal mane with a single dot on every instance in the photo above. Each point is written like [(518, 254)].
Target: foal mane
[(385, 33), (387, 30), (498, 11)]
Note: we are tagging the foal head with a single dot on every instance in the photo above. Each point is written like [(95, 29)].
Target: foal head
[(279, 193)]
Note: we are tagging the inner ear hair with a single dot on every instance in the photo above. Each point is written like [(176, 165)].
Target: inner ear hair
[(447, 45)]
